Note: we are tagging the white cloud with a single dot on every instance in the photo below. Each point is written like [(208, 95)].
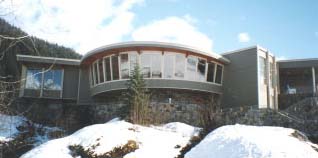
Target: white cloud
[(174, 29), (82, 25), (243, 37)]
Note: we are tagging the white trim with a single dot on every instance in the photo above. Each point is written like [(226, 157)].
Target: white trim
[(104, 69), (214, 76), (291, 60)]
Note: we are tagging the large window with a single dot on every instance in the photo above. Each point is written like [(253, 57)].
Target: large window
[(145, 65), (219, 73), (210, 74), (133, 59), (191, 67), (201, 70), (262, 70), (53, 80), (124, 66), (156, 65), (115, 67), (108, 75), (168, 65), (180, 66), (34, 79), (100, 70)]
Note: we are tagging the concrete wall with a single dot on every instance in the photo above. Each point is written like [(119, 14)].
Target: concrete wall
[(70, 84), (84, 95), (240, 85)]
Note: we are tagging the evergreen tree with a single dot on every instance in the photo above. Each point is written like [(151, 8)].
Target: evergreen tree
[(138, 98)]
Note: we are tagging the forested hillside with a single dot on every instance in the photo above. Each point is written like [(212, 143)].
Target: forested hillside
[(28, 45)]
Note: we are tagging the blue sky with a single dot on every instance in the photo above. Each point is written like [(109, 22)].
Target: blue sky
[(287, 28)]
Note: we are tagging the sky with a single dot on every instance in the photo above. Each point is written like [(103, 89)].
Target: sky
[(287, 28)]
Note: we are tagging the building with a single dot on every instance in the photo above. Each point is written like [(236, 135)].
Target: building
[(179, 77)]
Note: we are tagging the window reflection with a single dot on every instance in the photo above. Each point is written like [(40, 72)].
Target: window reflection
[(124, 66), (107, 69), (191, 67), (53, 80), (115, 67), (145, 65), (180, 66), (210, 75), (168, 65), (218, 77), (100, 69), (95, 73), (201, 70), (34, 79), (156, 65), (133, 59)]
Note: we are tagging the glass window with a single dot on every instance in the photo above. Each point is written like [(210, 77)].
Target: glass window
[(168, 65), (156, 65), (210, 75), (100, 69), (92, 75), (201, 70), (107, 69), (180, 66), (218, 77), (262, 70), (133, 58), (95, 73), (191, 67), (145, 65), (124, 66), (115, 67), (34, 79), (53, 80)]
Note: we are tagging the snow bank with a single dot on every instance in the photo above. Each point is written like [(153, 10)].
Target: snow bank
[(8, 126), (237, 141), (155, 141)]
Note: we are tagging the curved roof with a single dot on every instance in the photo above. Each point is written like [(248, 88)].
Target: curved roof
[(151, 44)]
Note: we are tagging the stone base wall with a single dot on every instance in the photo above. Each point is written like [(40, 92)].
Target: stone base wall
[(166, 105)]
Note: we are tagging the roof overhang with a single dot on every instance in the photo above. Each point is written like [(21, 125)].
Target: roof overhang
[(298, 63), (47, 60), (148, 45)]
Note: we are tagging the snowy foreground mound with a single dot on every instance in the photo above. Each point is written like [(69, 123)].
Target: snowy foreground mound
[(154, 142), (240, 141)]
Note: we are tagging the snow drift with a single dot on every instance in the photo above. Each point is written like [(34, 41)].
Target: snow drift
[(156, 141), (238, 141), (8, 126)]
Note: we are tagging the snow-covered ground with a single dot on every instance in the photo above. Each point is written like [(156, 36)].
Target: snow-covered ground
[(155, 141), (241, 141), (8, 126)]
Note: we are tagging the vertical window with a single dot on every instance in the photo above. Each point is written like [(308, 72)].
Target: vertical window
[(201, 70), (107, 69), (92, 75), (262, 70), (115, 67), (53, 80), (156, 66), (95, 73), (191, 67), (101, 70), (133, 59), (145, 65), (168, 65), (210, 75), (124, 66), (180, 66), (271, 74), (34, 79), (218, 76)]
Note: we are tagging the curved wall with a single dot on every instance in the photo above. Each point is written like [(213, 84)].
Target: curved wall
[(177, 69)]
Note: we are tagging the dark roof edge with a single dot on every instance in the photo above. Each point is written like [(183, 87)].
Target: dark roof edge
[(48, 60), (297, 60), (154, 44)]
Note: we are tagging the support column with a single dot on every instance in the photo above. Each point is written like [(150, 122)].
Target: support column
[(313, 79)]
